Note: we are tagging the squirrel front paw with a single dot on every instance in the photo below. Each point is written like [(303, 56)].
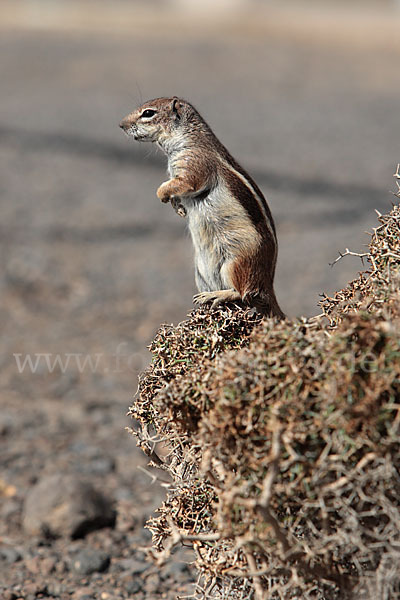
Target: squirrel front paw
[(177, 206), (163, 192)]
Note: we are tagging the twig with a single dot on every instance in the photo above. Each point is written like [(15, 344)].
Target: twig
[(201, 537), (348, 252), (177, 537), (258, 587), (345, 479), (154, 477), (152, 454), (392, 254)]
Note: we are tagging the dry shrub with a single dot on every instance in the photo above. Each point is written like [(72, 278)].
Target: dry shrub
[(284, 442)]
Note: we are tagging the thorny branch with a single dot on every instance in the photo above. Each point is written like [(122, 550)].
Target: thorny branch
[(348, 252)]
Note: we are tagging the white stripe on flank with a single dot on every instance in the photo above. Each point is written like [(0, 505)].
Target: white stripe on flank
[(253, 191)]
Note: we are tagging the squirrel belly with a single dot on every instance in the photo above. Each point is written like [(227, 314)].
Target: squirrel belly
[(220, 234)]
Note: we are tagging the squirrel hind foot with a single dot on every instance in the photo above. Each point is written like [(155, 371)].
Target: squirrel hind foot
[(218, 297), (266, 306)]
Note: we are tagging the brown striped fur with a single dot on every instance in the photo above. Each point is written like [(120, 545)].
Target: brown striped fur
[(231, 225)]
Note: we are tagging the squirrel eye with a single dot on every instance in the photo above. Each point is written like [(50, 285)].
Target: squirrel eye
[(149, 112)]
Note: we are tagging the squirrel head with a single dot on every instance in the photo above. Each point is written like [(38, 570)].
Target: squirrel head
[(157, 120)]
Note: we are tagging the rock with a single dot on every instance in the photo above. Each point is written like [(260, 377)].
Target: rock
[(6, 424), (57, 588), (9, 555), (176, 570), (89, 561), (135, 567), (98, 466), (152, 583), (64, 505), (9, 508), (47, 565), (33, 565), (63, 385), (9, 595), (61, 567), (84, 594), (134, 586), (26, 270), (35, 588)]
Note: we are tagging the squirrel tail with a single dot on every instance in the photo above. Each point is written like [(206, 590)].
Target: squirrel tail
[(266, 304)]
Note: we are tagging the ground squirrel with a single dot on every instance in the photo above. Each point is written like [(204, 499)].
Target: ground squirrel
[(229, 220)]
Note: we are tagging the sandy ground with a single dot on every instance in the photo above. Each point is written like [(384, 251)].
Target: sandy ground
[(91, 263)]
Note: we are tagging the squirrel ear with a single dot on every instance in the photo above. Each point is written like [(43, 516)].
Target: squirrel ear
[(176, 108)]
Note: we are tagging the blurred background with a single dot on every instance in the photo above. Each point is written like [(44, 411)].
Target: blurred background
[(304, 94)]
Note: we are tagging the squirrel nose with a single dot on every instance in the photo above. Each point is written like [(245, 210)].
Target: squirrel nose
[(125, 124)]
